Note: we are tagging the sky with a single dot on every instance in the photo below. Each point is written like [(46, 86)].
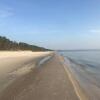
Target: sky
[(54, 24)]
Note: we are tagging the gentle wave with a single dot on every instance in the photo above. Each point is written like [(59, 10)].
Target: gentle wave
[(86, 68)]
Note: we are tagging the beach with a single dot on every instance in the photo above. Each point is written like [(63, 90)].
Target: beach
[(34, 76), (16, 64)]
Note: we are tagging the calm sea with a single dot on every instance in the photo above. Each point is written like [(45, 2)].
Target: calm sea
[(85, 65)]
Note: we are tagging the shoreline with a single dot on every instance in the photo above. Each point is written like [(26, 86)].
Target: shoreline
[(78, 89)]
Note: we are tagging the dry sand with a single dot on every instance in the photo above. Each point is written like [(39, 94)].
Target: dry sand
[(15, 64), (48, 81)]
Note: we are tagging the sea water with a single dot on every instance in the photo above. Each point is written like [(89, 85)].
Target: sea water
[(85, 65)]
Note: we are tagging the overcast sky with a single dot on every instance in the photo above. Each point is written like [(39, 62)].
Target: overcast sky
[(56, 24)]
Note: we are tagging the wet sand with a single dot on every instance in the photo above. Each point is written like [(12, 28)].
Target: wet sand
[(47, 81)]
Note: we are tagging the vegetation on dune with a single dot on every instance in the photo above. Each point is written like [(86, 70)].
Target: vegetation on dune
[(6, 44)]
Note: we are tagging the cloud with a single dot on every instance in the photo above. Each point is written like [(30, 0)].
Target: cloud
[(94, 31), (6, 12)]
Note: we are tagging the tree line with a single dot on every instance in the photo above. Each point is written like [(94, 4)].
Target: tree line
[(7, 44)]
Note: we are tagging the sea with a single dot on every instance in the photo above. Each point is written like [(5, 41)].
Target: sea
[(85, 66)]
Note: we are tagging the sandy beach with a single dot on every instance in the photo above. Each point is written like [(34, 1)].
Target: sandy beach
[(27, 79), (16, 64)]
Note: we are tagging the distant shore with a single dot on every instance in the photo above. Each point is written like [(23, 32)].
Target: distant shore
[(7, 44)]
